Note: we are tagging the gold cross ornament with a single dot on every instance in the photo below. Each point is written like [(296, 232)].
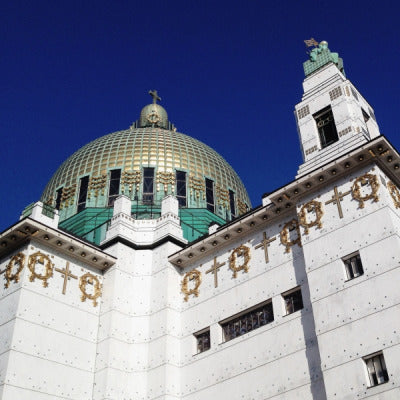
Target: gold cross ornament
[(265, 244), (214, 269), (337, 198), (67, 275)]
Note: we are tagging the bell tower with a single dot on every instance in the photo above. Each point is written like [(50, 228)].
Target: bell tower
[(332, 117)]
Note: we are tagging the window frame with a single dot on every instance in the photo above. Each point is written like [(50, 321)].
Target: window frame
[(113, 191), (82, 193), (197, 336), (373, 378), (285, 303), (349, 267), (322, 137)]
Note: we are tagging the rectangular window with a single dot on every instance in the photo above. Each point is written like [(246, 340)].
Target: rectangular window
[(365, 115), (210, 195), (353, 266), (113, 190), (181, 187), (58, 198), (293, 301), (376, 369), (326, 127), (202, 341), (148, 185), (232, 204), (83, 189), (247, 321)]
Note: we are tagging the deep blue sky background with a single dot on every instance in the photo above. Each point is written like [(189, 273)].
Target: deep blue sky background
[(229, 74)]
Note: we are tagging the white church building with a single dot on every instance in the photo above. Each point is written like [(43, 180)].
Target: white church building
[(144, 273)]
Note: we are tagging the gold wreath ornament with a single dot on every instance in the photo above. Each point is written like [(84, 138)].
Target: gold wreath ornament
[(190, 276), (18, 259), (284, 234), (41, 258), (372, 181), (309, 207), (239, 251), (91, 279), (394, 193)]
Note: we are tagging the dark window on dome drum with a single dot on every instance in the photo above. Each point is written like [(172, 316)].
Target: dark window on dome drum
[(181, 187), (83, 189), (326, 127), (232, 203), (148, 185), (210, 195), (58, 198), (113, 190), (248, 320)]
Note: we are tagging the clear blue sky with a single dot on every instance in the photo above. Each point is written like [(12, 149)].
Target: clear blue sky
[(229, 74)]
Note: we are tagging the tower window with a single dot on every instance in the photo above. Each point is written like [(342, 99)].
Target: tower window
[(293, 301), (232, 203), (326, 127), (83, 189), (365, 115), (210, 195), (58, 198), (202, 341), (353, 266), (376, 369), (148, 185), (113, 190), (181, 188)]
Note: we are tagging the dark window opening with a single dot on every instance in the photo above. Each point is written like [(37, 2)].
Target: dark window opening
[(293, 301), (113, 190), (202, 341), (248, 321), (148, 185), (365, 115), (210, 195), (232, 204), (326, 127), (353, 267), (83, 189), (181, 188), (58, 198), (376, 368)]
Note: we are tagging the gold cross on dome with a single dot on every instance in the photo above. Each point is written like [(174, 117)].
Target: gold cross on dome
[(67, 274), (337, 198), (265, 244), (155, 96), (214, 269)]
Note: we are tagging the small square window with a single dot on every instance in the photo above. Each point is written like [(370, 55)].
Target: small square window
[(376, 369), (202, 341), (353, 266), (293, 301)]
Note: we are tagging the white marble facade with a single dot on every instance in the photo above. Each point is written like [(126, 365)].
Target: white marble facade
[(137, 338)]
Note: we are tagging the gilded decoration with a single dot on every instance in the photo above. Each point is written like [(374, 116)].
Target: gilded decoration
[(67, 195), (222, 196), (97, 184), (90, 279), (130, 179), (285, 235), (17, 260), (238, 252), (190, 276), (164, 179), (40, 258), (196, 186), (241, 206), (309, 207), (394, 193), (372, 181)]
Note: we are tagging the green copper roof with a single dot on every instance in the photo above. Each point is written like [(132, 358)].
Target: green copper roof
[(319, 56)]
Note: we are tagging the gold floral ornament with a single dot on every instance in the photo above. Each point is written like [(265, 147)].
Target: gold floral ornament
[(195, 276), (285, 235), (394, 193), (238, 252), (90, 279), (311, 206), (372, 181), (17, 260), (40, 258)]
